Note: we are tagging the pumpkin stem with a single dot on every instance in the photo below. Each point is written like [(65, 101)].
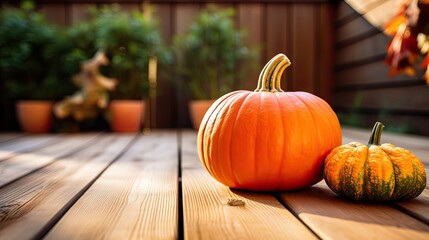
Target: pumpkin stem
[(375, 137), (270, 76)]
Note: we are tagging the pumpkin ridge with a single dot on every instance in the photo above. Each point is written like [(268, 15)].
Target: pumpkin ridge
[(255, 168), (350, 184), (365, 182), (283, 139), (214, 114), (342, 153), (309, 110), (395, 185), (381, 179), (418, 174), (235, 180), (201, 134), (220, 120), (404, 182)]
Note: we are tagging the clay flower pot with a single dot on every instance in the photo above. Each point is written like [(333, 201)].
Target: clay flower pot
[(197, 109), (34, 116), (127, 115)]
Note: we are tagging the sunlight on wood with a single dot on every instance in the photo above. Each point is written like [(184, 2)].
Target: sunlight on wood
[(377, 12), (361, 230)]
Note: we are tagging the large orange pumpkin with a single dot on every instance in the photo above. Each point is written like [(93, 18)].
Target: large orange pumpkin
[(268, 139)]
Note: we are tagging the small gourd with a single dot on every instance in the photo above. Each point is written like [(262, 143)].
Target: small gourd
[(374, 172)]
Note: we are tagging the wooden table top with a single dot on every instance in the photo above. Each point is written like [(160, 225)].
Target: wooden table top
[(133, 186)]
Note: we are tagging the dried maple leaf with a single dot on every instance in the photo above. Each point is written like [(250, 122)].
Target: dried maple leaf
[(402, 52)]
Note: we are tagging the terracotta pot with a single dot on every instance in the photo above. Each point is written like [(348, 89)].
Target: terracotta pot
[(197, 109), (34, 116), (127, 115)]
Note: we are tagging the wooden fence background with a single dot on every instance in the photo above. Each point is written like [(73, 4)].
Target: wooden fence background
[(363, 91), (336, 54), (301, 29)]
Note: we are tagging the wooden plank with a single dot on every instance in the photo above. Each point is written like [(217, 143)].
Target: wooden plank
[(364, 6), (365, 49), (23, 164), (164, 14), (130, 7), (185, 14), (418, 207), (376, 72), (141, 201), (402, 123), (206, 214), (163, 108), (383, 12), (54, 13), (250, 20), (4, 137), (343, 12), (278, 37), (407, 141), (35, 203), (25, 144), (333, 217), (324, 75), (78, 12), (405, 98), (353, 29), (304, 45)]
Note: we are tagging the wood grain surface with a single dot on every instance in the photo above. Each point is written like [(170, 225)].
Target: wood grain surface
[(135, 198), (207, 215), (333, 217), (13, 147), (25, 163), (37, 201), (133, 186)]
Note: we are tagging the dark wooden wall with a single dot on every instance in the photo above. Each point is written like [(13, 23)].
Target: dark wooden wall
[(363, 91)]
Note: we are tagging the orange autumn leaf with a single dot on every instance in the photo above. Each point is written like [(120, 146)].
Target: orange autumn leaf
[(402, 52), (391, 27)]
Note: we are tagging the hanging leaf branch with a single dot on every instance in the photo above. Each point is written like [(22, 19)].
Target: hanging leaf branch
[(410, 43)]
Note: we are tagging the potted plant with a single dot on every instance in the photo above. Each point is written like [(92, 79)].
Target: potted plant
[(28, 66), (211, 57), (129, 40)]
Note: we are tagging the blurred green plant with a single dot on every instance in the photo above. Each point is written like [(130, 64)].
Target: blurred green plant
[(129, 40), (212, 55), (31, 55)]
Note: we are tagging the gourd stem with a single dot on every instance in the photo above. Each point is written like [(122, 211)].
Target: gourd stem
[(375, 137), (261, 75), (270, 76), (277, 75)]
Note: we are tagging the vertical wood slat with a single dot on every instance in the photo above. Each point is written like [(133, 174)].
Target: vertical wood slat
[(324, 53), (184, 15), (141, 202), (304, 37), (56, 13), (79, 12), (130, 7), (207, 215), (278, 38), (250, 20), (34, 203)]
